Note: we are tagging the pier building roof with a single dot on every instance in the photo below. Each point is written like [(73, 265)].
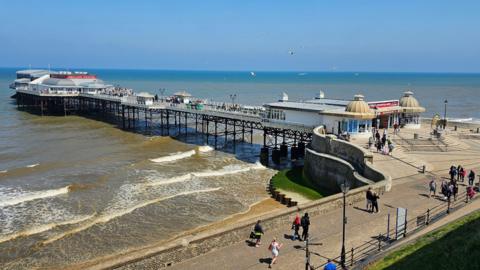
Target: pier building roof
[(410, 104)]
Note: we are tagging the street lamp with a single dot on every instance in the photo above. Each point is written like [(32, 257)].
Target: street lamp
[(345, 187), (445, 115), (233, 97)]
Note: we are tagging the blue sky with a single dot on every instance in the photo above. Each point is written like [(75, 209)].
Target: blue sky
[(356, 35)]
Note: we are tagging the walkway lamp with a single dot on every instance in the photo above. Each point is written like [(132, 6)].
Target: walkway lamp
[(345, 187), (445, 114), (233, 97)]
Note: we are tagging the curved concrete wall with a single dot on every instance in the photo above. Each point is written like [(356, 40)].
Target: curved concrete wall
[(328, 162)]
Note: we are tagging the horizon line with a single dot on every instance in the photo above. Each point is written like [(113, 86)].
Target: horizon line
[(242, 70)]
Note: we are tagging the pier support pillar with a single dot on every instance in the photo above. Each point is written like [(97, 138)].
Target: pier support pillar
[(294, 152), (283, 150), (301, 150), (264, 156), (276, 156)]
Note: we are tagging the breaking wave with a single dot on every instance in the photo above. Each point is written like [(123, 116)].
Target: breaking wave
[(3, 171), (227, 170), (173, 157), (30, 196), (43, 228), (205, 149), (107, 217), (230, 169), (32, 165)]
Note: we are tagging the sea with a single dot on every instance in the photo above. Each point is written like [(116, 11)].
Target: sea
[(73, 189)]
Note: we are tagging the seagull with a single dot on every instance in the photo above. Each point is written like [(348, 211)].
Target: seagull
[(253, 73)]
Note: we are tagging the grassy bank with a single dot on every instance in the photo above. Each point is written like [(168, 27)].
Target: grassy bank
[(293, 180), (454, 246)]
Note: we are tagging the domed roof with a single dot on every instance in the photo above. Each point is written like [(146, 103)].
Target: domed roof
[(410, 104), (358, 105), (408, 100)]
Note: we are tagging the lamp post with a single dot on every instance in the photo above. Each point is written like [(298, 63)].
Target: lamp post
[(445, 115), (345, 187), (233, 97)]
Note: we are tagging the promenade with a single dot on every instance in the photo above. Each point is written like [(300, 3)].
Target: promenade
[(409, 191)]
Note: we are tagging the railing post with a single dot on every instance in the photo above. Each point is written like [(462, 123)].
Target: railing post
[(379, 242), (428, 217), (448, 205), (351, 261)]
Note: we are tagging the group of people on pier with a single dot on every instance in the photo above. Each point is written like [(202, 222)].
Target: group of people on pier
[(382, 143), (117, 92), (450, 188)]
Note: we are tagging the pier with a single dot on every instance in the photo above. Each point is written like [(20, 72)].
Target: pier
[(219, 123)]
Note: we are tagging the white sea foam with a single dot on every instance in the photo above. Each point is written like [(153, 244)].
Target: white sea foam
[(176, 179), (205, 149), (107, 217), (43, 228), (32, 165), (30, 196), (229, 169), (3, 171), (173, 157)]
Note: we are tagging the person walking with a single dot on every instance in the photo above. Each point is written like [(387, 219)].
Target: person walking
[(369, 196), (471, 178), (258, 231), (433, 188), (459, 168), (375, 198), (275, 249), (305, 223), (370, 142), (452, 172), (464, 173), (296, 227), (330, 265)]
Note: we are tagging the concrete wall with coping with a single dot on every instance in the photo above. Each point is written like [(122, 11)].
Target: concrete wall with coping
[(329, 162), (195, 245)]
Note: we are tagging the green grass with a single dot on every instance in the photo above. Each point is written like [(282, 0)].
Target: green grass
[(294, 180), (454, 246)]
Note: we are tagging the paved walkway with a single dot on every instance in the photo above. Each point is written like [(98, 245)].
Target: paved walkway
[(409, 191)]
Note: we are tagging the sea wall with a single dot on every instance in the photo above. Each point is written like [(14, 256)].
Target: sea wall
[(194, 245), (329, 162)]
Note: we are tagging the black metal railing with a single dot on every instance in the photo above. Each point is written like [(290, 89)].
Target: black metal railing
[(359, 254)]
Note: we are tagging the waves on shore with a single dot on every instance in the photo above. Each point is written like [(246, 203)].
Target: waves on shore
[(227, 170), (32, 165), (36, 195), (107, 217), (205, 149), (43, 228), (173, 157), (182, 155)]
